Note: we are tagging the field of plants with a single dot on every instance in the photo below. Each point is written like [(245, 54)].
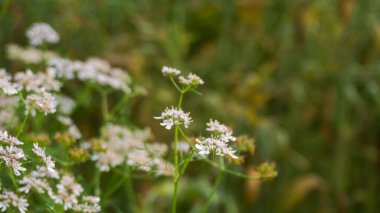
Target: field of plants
[(154, 106)]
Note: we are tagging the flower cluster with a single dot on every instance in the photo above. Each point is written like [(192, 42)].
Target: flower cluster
[(9, 198), (28, 55), (67, 192), (40, 33), (120, 145), (174, 116), (169, 71), (218, 142), (6, 85), (94, 69), (191, 80), (10, 153)]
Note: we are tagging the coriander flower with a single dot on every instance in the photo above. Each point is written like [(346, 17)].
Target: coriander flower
[(8, 139), (174, 116), (169, 71), (9, 198), (218, 143), (11, 155), (6, 85), (40, 33), (44, 102), (191, 80), (50, 165)]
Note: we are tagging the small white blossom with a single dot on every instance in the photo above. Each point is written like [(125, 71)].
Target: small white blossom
[(29, 55), (8, 139), (44, 102), (90, 205), (36, 181), (8, 198), (191, 80), (11, 155), (67, 192), (218, 143), (37, 82), (50, 165), (174, 116), (6, 85), (40, 33), (169, 71)]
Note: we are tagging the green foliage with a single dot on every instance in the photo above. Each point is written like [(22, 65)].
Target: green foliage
[(301, 77)]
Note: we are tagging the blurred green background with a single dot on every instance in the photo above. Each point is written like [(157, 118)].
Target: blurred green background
[(300, 76)]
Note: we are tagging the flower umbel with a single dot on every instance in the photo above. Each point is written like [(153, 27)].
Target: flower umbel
[(40, 33), (174, 116), (191, 80), (169, 71), (218, 143)]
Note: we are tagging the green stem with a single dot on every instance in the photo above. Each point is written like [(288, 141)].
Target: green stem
[(131, 192), (211, 195), (176, 168), (13, 179), (97, 182), (175, 84), (104, 106), (4, 9), (21, 129)]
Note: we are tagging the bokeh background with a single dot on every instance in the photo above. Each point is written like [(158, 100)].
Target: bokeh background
[(301, 77)]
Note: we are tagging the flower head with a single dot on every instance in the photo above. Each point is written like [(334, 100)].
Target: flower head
[(6, 85), (169, 71), (174, 116), (44, 102), (191, 80), (218, 143), (40, 33)]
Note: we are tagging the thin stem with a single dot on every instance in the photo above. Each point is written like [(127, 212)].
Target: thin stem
[(211, 195), (176, 168), (13, 179), (21, 129), (175, 84), (186, 138), (97, 182), (130, 191), (104, 106), (4, 9)]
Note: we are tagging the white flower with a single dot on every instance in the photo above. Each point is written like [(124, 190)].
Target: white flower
[(191, 80), (34, 180), (169, 71), (68, 192), (50, 165), (8, 139), (37, 82), (11, 155), (6, 85), (174, 116), (8, 198), (218, 143), (44, 102), (214, 145), (40, 33), (28, 55), (91, 204)]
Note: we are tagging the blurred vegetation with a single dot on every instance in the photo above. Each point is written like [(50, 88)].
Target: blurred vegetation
[(300, 76)]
